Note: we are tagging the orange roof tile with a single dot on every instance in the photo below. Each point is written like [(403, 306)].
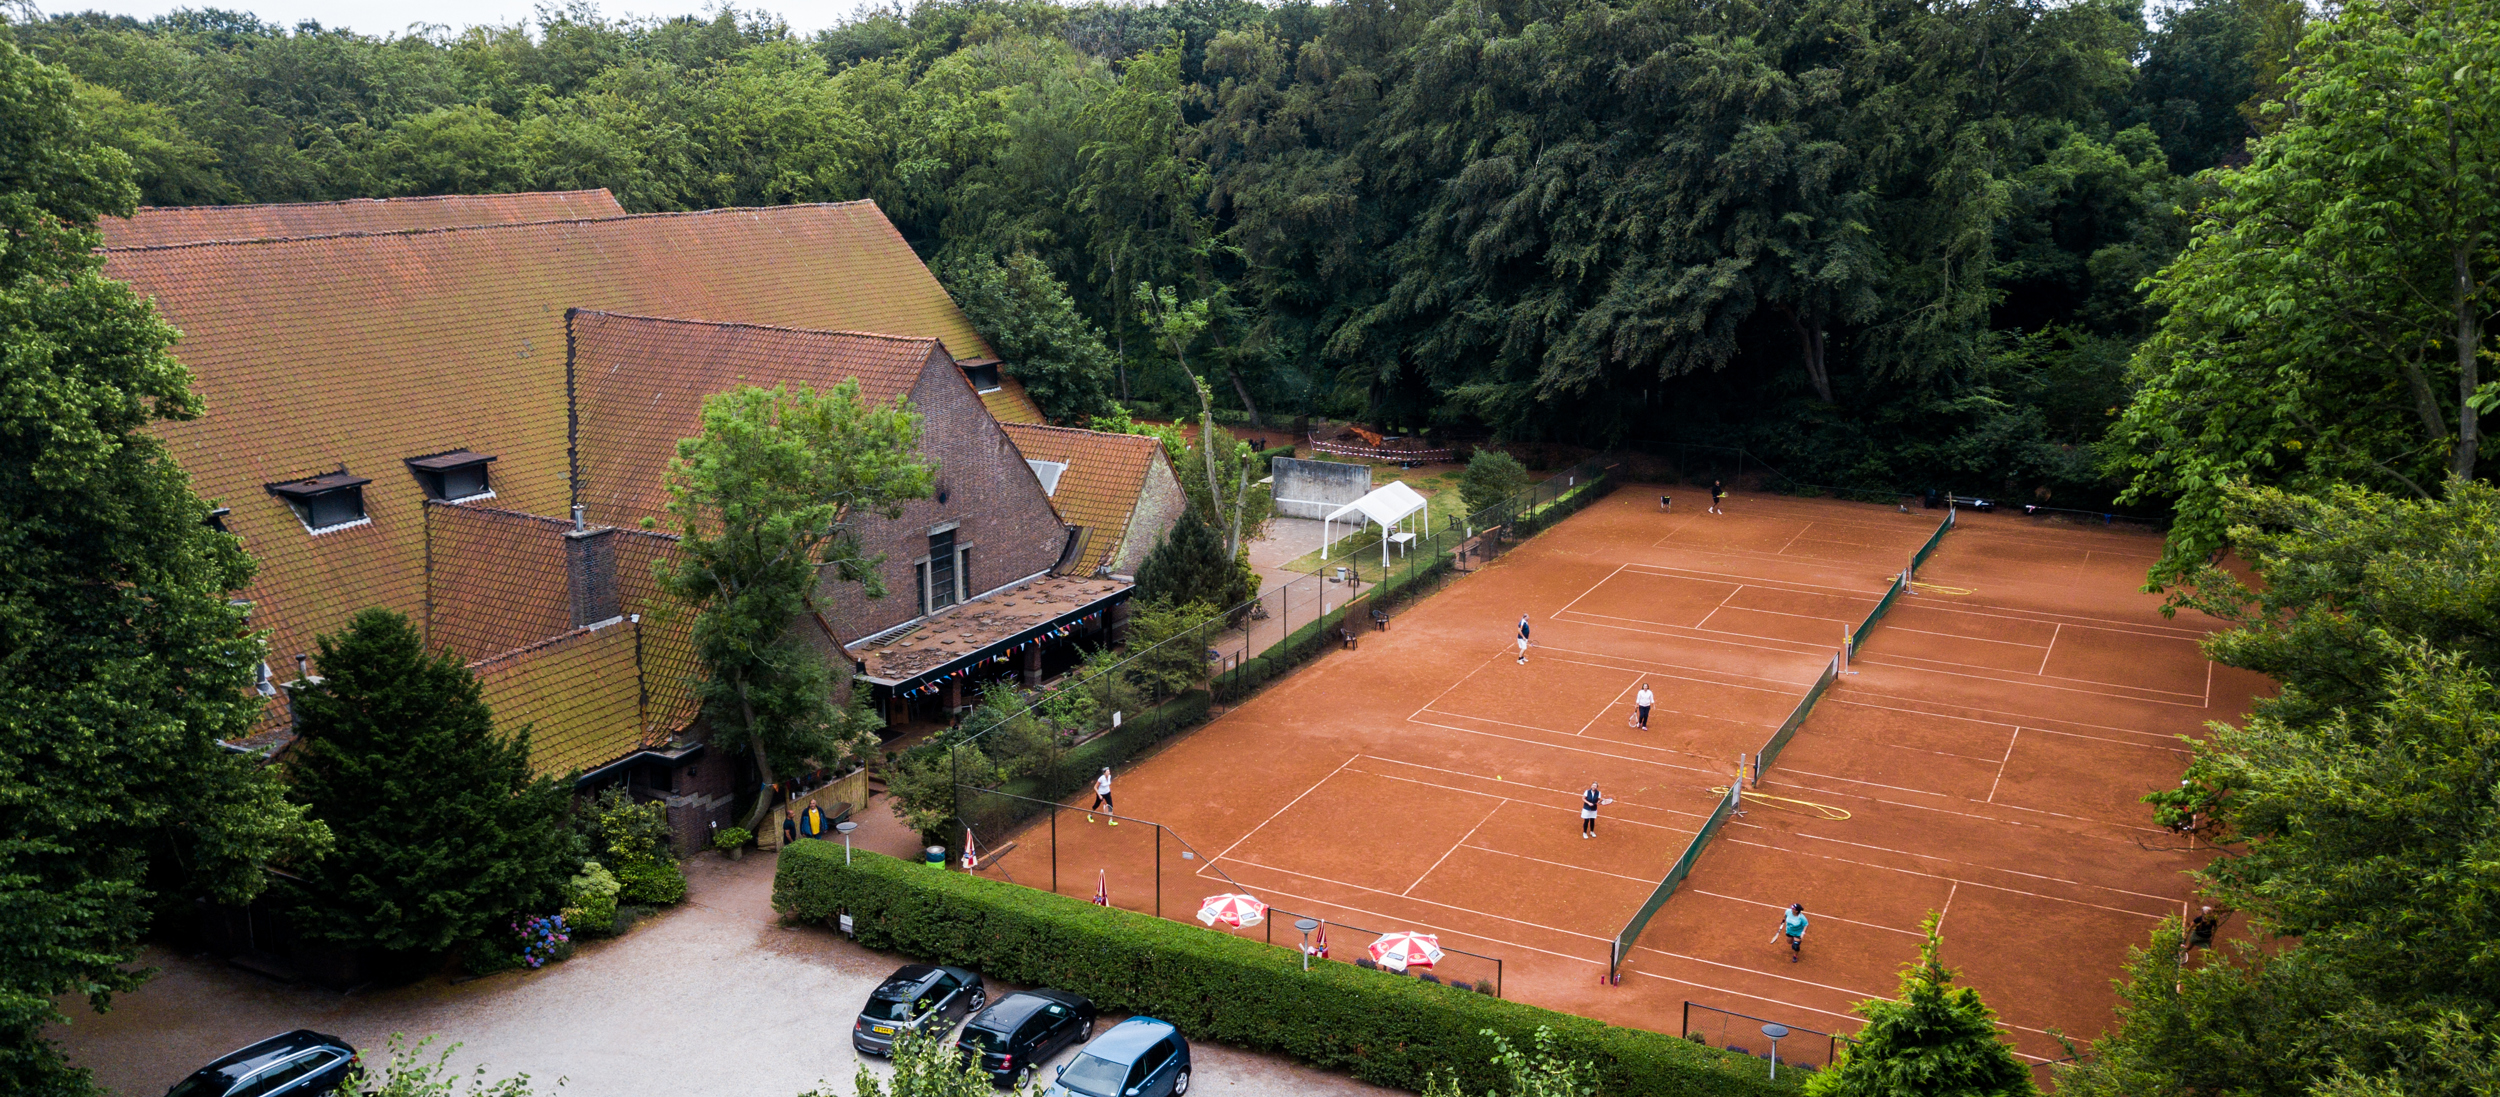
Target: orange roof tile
[(575, 692), (496, 579), (362, 350), (1106, 475), (1009, 403), (669, 667), (153, 225), (639, 383)]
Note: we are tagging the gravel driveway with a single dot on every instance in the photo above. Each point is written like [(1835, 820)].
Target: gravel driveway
[(712, 998)]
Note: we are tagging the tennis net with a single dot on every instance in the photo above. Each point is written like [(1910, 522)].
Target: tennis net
[(1666, 888)]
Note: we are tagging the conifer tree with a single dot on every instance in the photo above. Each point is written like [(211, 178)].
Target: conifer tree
[(1190, 565), (1937, 1040), (442, 831)]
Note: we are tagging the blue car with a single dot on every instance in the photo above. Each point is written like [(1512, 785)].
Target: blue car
[(1139, 1057)]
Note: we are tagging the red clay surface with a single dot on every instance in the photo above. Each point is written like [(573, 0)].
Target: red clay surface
[(1989, 751)]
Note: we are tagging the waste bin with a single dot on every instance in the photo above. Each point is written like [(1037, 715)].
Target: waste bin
[(936, 855)]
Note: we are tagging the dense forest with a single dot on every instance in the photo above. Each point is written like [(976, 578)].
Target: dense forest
[(1877, 242)]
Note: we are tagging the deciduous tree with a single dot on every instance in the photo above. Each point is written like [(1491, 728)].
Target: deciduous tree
[(1935, 1040), (769, 502)]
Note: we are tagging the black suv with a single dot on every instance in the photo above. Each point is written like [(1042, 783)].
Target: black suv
[(922, 996), (1020, 1032), (298, 1064)]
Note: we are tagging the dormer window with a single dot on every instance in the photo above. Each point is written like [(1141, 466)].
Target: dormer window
[(327, 502), (453, 477), (1048, 472), (983, 373), (216, 519)]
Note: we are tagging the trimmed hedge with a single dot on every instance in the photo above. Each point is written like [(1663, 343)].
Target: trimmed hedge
[(1381, 1028)]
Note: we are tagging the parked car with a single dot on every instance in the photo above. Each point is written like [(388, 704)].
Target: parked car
[(1020, 1032), (1139, 1057), (301, 1063), (919, 996)]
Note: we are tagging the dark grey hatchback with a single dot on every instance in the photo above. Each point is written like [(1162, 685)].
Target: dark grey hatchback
[(1020, 1032), (296, 1064), (918, 996)]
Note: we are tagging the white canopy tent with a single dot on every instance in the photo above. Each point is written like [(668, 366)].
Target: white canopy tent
[(1386, 507)]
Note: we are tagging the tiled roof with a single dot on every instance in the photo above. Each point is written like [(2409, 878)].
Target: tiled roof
[(1009, 403), (576, 694), (1106, 474), (639, 383), (497, 579), (669, 668), (153, 225), (363, 350)]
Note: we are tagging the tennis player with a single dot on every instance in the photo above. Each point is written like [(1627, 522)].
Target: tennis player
[(1794, 928), (1590, 801), (1718, 495), (1102, 798), (1523, 638), (1641, 702)]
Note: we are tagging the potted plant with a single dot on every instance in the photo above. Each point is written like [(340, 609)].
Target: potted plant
[(732, 841)]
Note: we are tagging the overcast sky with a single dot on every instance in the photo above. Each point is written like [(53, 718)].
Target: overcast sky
[(390, 16)]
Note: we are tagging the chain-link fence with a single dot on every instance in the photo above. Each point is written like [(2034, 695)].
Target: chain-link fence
[(1697, 463), (1800, 1047)]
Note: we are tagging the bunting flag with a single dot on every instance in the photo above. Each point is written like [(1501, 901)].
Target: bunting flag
[(1319, 944), (1102, 889), (972, 859)]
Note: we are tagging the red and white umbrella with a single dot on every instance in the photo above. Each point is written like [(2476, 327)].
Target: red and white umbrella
[(1232, 910), (1400, 951)]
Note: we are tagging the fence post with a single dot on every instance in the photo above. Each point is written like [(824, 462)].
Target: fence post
[(1158, 870)]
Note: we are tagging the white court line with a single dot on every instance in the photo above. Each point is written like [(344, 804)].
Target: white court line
[(1542, 807), (2013, 719), (1644, 881), (1555, 746), (1592, 590), (1932, 666), (1896, 869), (1576, 735), (2054, 632), (2009, 756), (2044, 617), (1787, 771), (1290, 803), (2162, 899), (1665, 571), (1498, 804), (1891, 627), (1778, 685), (1819, 915), (1688, 632)]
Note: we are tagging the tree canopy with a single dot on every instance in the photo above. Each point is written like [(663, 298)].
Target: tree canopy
[(443, 833), (122, 663), (769, 502)]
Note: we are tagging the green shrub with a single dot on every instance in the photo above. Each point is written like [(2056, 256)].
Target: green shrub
[(651, 883), (727, 838), (590, 901), (1380, 1028)]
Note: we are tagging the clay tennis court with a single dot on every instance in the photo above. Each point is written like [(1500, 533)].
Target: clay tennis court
[(1988, 753)]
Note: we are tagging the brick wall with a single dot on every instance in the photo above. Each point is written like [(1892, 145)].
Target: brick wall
[(1159, 505), (1005, 520)]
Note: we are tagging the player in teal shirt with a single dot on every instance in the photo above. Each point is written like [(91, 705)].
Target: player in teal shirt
[(1794, 928)]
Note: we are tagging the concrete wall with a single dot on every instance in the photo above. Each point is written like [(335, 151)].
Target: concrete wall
[(1159, 505), (1312, 489)]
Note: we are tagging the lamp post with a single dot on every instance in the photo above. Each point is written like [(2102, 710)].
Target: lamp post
[(1306, 925), (846, 827), (1775, 1032)]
